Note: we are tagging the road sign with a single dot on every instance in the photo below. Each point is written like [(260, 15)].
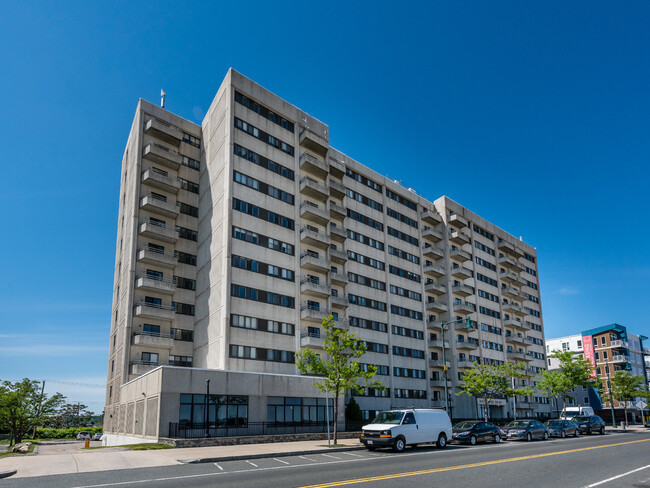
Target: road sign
[(641, 404)]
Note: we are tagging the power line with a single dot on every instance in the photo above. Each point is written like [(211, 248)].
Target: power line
[(87, 385)]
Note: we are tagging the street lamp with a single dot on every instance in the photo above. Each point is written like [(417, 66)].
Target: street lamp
[(611, 399), (443, 325)]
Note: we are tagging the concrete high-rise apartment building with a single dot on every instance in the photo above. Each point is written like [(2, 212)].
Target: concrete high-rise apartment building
[(237, 237)]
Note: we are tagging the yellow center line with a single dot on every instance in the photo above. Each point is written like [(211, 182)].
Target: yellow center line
[(463, 466)]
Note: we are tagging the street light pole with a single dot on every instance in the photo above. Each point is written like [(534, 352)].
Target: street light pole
[(443, 325), (611, 398)]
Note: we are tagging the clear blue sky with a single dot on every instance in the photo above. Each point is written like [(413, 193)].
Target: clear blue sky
[(544, 105)]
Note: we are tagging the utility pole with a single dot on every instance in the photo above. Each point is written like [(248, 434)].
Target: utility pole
[(38, 412)]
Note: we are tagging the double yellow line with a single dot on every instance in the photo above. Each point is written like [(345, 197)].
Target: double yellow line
[(463, 466)]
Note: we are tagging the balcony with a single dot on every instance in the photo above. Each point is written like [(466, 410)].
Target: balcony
[(435, 288), (431, 217), (619, 343), (337, 168), (516, 323), (311, 340), (510, 292), (516, 355), (338, 256), (162, 155), (462, 290), (151, 256), (431, 235), (436, 306), (314, 189), (460, 272), (509, 277), (310, 285), (148, 283), (337, 189), (314, 262), (620, 358), (466, 345), (464, 308), (149, 339), (340, 301), (311, 313), (512, 308), (437, 383), (314, 213), (433, 270), (516, 339), (339, 278), (152, 311), (433, 252), (157, 230), (457, 221), (465, 364), (160, 179), (164, 131), (509, 249), (337, 233), (158, 204), (336, 210), (312, 236), (314, 140), (437, 363), (459, 255), (438, 344), (141, 367), (313, 165), (458, 238)]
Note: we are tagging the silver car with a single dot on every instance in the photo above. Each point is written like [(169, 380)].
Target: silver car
[(561, 428), (83, 436), (525, 430)]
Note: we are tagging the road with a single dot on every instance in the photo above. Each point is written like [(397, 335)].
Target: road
[(610, 461)]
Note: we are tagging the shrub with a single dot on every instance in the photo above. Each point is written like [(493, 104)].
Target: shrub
[(69, 433)]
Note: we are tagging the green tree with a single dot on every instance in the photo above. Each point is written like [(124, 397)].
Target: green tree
[(71, 415), (626, 387), (573, 371), (558, 386), (22, 407), (488, 381), (341, 370), (353, 411)]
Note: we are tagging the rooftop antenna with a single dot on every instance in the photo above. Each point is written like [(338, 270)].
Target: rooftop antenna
[(162, 98)]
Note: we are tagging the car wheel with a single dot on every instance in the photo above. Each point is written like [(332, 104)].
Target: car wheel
[(602, 431), (545, 437), (575, 433), (563, 434), (399, 444), (472, 440), (589, 431), (371, 448), (442, 441), (497, 438), (529, 437)]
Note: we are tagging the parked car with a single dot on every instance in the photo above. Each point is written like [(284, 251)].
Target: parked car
[(472, 432), (590, 424), (97, 436), (399, 428), (570, 412), (525, 430), (561, 428), (83, 436)]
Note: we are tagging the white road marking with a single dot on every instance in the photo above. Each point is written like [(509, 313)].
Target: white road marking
[(217, 465), (330, 456), (280, 461), (252, 464), (355, 455), (303, 457), (617, 477)]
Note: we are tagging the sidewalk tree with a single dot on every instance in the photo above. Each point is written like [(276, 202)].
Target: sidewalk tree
[(626, 387), (488, 381), (340, 369), (558, 386), (572, 372), (22, 406)]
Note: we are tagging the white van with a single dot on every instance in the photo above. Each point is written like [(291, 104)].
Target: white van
[(570, 412), (401, 428)]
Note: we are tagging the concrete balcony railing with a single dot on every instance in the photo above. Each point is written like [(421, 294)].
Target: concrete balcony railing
[(509, 248), (340, 301), (311, 340), (462, 290), (314, 189), (152, 256), (141, 367), (512, 308), (436, 306), (459, 255), (337, 168), (337, 233), (314, 140), (516, 323), (314, 262), (465, 364), (467, 345), (457, 221), (431, 235), (157, 230), (314, 213), (311, 286), (149, 283), (432, 252), (339, 278), (458, 238), (162, 155), (160, 179), (437, 383), (430, 217), (163, 341), (516, 338), (336, 188), (509, 277), (156, 204), (314, 237), (435, 288), (516, 355), (433, 270), (437, 363), (313, 165), (461, 272), (313, 314), (338, 255), (510, 292), (164, 131), (336, 210), (464, 308), (153, 311), (438, 344)]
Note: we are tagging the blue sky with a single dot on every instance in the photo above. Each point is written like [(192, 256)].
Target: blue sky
[(544, 106)]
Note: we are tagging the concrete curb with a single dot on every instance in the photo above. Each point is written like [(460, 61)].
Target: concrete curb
[(244, 457), (6, 474)]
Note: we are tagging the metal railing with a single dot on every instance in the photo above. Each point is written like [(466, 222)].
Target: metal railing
[(244, 428), (154, 334)]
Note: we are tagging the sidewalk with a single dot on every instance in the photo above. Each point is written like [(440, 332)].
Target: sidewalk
[(82, 461)]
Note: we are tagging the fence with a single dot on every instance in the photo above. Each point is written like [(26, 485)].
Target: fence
[(191, 431)]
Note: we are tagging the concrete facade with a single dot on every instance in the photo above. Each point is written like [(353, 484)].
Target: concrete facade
[(267, 229)]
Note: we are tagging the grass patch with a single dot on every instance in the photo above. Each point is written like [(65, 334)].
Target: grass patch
[(145, 446), (9, 454)]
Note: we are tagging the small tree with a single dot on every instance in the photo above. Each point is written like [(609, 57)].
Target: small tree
[(625, 387), (71, 415), (340, 371), (19, 407), (557, 384), (353, 411), (487, 381)]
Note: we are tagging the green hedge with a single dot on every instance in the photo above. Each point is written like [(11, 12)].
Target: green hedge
[(70, 433)]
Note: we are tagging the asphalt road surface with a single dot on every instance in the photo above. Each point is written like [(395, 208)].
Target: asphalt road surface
[(609, 461)]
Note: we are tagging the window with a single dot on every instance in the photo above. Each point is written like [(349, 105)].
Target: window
[(150, 358), (413, 295), (404, 273), (190, 163), (184, 335), (484, 233), (263, 136), (262, 268), (262, 213), (484, 248), (263, 187), (403, 236), (189, 139), (486, 279), (363, 180), (365, 281), (489, 312), (485, 263), (184, 361), (403, 255), (185, 283), (366, 302), (365, 240), (375, 224), (401, 199), (406, 332), (189, 185), (186, 209), (280, 410), (223, 410), (402, 218), (360, 258), (183, 308), (408, 352), (368, 324), (263, 111), (185, 258), (189, 234), (264, 162), (405, 312), (261, 296)]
